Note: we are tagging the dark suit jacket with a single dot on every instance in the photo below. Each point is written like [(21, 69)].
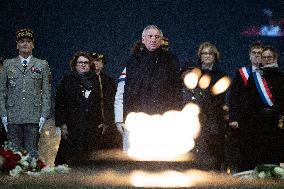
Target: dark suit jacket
[(263, 140), (237, 97)]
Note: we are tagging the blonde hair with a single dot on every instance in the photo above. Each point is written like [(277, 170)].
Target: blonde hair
[(211, 47)]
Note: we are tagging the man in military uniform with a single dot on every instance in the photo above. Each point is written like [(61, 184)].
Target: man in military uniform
[(3, 136), (25, 95)]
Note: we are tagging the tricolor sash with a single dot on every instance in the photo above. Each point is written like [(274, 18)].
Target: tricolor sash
[(244, 72), (263, 89), (122, 76)]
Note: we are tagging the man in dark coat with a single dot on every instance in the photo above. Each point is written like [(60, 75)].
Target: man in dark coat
[(263, 135), (238, 87), (152, 84), (236, 106)]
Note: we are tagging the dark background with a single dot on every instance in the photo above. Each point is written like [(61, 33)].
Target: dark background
[(63, 27)]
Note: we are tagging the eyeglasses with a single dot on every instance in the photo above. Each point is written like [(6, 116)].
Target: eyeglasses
[(207, 53), (267, 57), (83, 62), (256, 52)]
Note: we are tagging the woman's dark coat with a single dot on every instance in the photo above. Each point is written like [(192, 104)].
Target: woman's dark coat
[(82, 116), (209, 147)]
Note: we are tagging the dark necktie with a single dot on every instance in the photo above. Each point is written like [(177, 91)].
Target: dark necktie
[(25, 64)]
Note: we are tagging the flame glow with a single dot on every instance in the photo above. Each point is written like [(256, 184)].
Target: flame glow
[(204, 81), (221, 85), (162, 137), (191, 79), (165, 179)]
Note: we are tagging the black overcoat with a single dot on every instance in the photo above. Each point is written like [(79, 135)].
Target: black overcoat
[(153, 85), (263, 140), (209, 146), (82, 116)]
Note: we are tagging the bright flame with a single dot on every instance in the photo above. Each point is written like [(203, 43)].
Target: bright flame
[(191, 79), (204, 81), (46, 132), (221, 85), (162, 137), (163, 179)]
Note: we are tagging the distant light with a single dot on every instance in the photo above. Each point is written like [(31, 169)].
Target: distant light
[(46, 132), (270, 30), (267, 11)]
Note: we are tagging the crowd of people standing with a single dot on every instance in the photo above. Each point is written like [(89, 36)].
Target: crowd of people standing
[(91, 108)]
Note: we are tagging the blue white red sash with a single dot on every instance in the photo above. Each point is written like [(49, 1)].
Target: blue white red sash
[(244, 72), (263, 89), (122, 76)]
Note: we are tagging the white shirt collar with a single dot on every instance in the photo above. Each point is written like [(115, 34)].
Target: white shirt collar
[(253, 68), (274, 65), (207, 67), (27, 59)]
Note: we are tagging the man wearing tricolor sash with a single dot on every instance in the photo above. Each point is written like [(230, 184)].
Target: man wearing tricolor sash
[(263, 140), (240, 82), (236, 105)]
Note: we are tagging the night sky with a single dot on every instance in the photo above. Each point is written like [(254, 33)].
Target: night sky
[(63, 27)]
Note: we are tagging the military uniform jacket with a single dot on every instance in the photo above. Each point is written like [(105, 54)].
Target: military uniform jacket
[(25, 93)]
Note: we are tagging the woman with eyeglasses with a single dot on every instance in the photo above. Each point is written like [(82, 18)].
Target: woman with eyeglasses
[(209, 147), (264, 132), (78, 112)]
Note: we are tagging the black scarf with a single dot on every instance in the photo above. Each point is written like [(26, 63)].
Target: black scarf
[(85, 79)]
